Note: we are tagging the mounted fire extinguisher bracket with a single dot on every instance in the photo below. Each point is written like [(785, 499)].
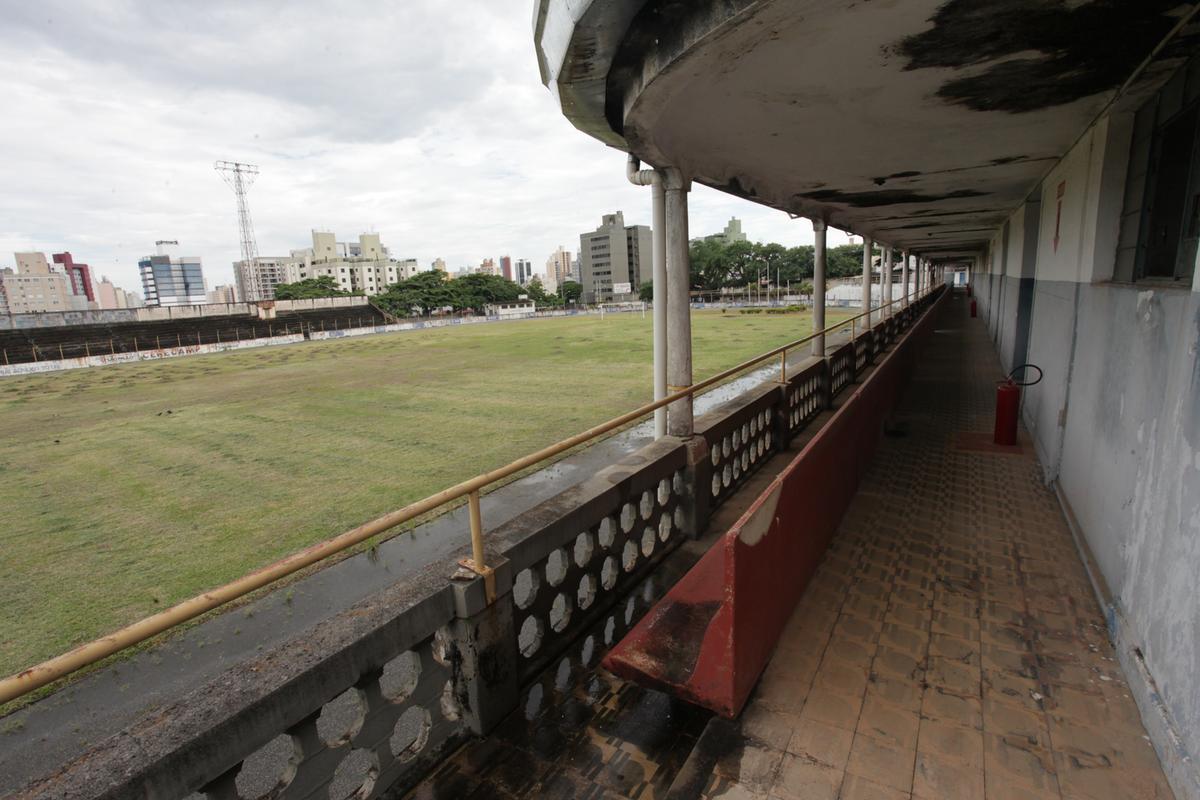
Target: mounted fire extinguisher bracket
[(1008, 405)]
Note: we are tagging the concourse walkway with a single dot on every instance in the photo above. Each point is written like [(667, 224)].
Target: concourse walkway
[(950, 646)]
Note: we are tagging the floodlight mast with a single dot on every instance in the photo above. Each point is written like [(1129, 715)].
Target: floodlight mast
[(240, 176)]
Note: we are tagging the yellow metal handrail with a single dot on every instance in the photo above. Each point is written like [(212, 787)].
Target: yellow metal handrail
[(90, 653)]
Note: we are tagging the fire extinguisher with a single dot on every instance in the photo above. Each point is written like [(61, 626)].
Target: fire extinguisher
[(974, 308), (1008, 405)]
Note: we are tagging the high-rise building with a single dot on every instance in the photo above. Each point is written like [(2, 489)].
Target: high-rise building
[(172, 280), (506, 270), (362, 267), (524, 271), (614, 255), (257, 280), (222, 294), (732, 233), (79, 276), (439, 264), (487, 267), (34, 287), (558, 268)]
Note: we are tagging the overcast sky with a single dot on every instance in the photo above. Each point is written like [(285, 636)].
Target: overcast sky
[(424, 120)]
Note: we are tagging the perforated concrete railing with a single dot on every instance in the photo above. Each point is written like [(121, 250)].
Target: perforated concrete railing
[(841, 368), (864, 349), (612, 530), (739, 441), (378, 734), (806, 396)]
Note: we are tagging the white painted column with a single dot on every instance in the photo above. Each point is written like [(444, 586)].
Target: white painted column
[(885, 278), (919, 269), (818, 344), (679, 309), (868, 256), (904, 279)]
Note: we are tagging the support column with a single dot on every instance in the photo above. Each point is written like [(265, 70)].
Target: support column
[(659, 239), (679, 308), (868, 258), (919, 267), (904, 279), (818, 344), (885, 282)]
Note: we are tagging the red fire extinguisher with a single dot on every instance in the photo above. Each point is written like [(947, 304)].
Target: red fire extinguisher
[(1008, 406), (974, 309)]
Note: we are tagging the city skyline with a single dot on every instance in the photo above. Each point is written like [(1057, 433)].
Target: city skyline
[(333, 155)]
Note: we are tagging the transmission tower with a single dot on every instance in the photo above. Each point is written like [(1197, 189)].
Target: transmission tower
[(239, 177)]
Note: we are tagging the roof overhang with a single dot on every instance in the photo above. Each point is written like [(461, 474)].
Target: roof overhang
[(923, 123)]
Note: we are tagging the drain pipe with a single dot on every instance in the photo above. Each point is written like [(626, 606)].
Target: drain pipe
[(654, 179)]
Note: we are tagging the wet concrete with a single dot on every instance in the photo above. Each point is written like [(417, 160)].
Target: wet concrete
[(49, 733)]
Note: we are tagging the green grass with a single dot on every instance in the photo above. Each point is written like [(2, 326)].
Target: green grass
[(114, 508)]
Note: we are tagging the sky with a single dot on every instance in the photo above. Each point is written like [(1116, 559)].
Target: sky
[(423, 120)]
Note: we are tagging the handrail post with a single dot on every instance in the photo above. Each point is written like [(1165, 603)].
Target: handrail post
[(783, 366), (476, 531)]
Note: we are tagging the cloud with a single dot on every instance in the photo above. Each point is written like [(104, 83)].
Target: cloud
[(421, 120)]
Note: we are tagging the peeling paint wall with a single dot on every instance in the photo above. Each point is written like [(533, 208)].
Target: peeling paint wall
[(1116, 424)]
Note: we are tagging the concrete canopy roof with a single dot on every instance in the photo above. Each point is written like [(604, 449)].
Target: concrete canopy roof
[(923, 123)]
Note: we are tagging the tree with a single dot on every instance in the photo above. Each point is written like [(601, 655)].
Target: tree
[(475, 291), (646, 292), (570, 291), (420, 295), (538, 294), (309, 288)]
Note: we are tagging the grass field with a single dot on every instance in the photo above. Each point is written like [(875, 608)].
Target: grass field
[(127, 488)]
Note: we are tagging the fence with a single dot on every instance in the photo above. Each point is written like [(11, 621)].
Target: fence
[(374, 695)]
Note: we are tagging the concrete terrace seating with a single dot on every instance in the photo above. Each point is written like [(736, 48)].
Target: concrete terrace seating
[(74, 341)]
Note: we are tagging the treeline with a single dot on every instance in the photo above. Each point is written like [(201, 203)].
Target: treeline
[(717, 265), (429, 292)]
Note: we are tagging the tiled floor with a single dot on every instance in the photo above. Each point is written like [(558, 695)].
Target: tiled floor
[(950, 645)]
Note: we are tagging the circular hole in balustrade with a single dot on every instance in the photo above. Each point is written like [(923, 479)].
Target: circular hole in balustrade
[(588, 651), (609, 573), (562, 676), (529, 640), (606, 533), (341, 718), (587, 592), (745, 460), (664, 527), (754, 426), (268, 768), (610, 630), (737, 438), (648, 542), (646, 506), (678, 519), (355, 775), (727, 476), (648, 592), (725, 447), (533, 701), (737, 467), (715, 456), (664, 491), (411, 733), (400, 676), (767, 439), (629, 556), (716, 484), (583, 549), (762, 446), (677, 485), (630, 607), (560, 613), (525, 588), (451, 708), (443, 646), (557, 564), (628, 515)]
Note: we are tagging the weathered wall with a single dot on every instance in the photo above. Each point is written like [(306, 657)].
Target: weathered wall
[(1116, 423), (154, 314)]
